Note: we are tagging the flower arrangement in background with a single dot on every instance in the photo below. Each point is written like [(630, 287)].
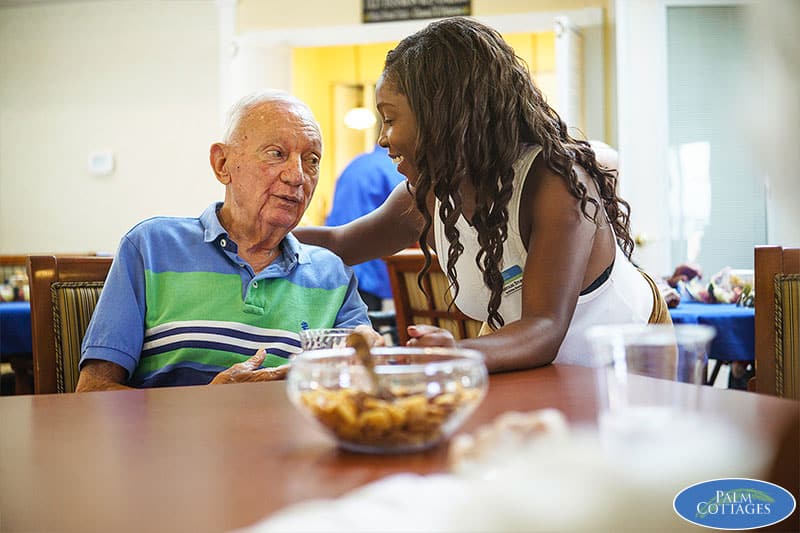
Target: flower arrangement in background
[(727, 286)]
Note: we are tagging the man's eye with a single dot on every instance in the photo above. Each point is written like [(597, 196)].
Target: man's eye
[(313, 162), (274, 153)]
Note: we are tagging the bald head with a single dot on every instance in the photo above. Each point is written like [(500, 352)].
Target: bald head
[(260, 99)]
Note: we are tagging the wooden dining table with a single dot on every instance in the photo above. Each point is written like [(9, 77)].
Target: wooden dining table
[(214, 458)]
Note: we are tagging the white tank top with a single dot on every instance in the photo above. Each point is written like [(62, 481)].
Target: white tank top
[(625, 297)]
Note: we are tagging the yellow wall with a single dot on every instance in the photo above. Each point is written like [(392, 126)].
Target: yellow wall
[(315, 72)]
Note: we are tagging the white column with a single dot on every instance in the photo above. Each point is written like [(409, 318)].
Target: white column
[(569, 74), (643, 128)]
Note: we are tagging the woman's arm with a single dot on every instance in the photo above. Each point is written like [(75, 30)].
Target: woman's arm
[(559, 248), (394, 225)]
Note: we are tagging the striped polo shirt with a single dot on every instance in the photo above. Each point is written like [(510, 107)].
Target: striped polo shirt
[(179, 304)]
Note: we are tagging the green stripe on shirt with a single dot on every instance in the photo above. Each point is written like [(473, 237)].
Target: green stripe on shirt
[(278, 304)]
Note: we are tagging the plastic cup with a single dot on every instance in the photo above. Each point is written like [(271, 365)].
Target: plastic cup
[(636, 409)]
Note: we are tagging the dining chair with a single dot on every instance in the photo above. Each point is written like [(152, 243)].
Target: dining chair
[(63, 291), (432, 306), (777, 322)]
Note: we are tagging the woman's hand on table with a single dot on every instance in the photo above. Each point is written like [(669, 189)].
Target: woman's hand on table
[(372, 337), (250, 371), (426, 335)]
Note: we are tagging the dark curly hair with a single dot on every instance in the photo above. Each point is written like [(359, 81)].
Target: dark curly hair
[(475, 106)]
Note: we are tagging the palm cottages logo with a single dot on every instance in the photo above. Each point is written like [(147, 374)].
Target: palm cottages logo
[(734, 503)]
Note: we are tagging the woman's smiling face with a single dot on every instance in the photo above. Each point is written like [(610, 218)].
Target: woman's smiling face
[(398, 129)]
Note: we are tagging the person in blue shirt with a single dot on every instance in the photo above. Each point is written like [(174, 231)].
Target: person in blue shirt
[(221, 298), (364, 185)]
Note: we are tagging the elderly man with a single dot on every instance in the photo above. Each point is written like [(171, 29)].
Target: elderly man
[(188, 301)]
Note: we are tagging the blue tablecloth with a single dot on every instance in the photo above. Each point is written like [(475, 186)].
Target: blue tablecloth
[(15, 328), (735, 339)]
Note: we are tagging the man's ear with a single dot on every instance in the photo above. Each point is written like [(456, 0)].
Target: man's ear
[(218, 159)]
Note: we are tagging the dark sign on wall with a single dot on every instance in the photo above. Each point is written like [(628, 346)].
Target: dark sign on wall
[(393, 10)]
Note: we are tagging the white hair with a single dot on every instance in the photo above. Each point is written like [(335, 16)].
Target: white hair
[(248, 102)]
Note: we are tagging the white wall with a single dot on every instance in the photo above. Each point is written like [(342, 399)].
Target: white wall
[(139, 78), (774, 116)]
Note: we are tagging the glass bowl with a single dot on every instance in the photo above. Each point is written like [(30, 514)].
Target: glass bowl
[(428, 394), (319, 339)]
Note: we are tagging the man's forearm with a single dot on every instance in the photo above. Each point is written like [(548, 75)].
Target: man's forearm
[(101, 376), (94, 387)]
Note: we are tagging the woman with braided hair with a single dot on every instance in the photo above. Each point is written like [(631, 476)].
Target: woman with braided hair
[(525, 222)]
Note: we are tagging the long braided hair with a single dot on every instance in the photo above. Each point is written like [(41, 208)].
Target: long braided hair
[(475, 106)]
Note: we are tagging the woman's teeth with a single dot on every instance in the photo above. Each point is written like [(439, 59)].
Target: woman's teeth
[(397, 159)]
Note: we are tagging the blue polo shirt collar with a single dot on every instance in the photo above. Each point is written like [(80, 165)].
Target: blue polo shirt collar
[(212, 229), (292, 251)]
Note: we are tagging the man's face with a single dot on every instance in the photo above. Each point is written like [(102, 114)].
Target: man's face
[(399, 128), (272, 161)]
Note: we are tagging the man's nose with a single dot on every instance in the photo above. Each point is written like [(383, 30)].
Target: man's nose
[(292, 172)]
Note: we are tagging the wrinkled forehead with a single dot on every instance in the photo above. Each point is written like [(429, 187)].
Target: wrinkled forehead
[(280, 115)]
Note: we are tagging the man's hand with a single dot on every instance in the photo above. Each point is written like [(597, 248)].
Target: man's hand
[(425, 335), (248, 371)]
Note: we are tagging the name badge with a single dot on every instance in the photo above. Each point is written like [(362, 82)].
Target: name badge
[(512, 280)]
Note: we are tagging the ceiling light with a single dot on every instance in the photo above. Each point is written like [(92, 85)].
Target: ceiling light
[(360, 118)]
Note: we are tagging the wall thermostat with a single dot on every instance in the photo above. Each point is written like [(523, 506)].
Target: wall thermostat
[(101, 162)]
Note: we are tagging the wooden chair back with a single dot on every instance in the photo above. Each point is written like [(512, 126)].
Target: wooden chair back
[(777, 321), (413, 306), (63, 291)]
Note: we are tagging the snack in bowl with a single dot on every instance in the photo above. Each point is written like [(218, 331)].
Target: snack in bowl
[(426, 394)]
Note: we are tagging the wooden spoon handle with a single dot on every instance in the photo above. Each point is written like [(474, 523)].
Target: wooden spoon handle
[(360, 344)]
